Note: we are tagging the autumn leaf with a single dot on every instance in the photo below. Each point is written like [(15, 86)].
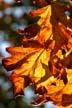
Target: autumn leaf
[(42, 3), (30, 31), (31, 59), (66, 100), (45, 57), (28, 64)]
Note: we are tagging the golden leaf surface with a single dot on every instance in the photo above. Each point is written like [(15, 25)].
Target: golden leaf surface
[(45, 59)]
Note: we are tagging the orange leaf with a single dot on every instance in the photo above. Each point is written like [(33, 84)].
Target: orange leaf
[(44, 58)]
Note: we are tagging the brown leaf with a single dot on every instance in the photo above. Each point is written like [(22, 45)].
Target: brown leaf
[(64, 77), (66, 100), (42, 3), (30, 31)]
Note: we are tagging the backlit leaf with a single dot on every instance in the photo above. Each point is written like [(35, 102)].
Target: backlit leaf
[(45, 57)]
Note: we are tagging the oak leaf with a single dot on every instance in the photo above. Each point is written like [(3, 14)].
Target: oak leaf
[(44, 58)]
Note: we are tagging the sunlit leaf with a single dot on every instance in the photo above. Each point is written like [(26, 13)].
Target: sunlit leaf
[(45, 57)]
